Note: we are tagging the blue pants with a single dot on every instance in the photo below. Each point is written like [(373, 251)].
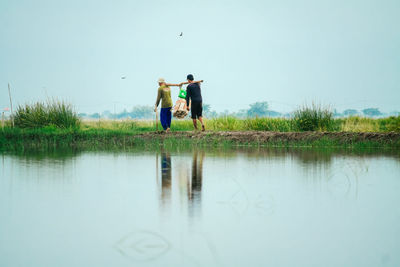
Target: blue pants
[(165, 118)]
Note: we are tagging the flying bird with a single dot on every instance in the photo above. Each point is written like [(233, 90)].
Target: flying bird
[(123, 77), (181, 34)]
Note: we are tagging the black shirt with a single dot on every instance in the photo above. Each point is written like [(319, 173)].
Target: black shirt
[(193, 92)]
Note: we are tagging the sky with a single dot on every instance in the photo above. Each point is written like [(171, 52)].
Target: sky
[(339, 53)]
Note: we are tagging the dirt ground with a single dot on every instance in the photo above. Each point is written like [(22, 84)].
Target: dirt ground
[(265, 137)]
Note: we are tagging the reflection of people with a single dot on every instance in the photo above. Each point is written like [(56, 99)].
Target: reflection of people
[(164, 94), (165, 176), (194, 192), (190, 186)]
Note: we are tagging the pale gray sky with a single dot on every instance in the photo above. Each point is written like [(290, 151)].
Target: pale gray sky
[(345, 53)]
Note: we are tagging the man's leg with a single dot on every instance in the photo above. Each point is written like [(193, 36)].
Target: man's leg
[(203, 128), (200, 116), (194, 114), (163, 118), (195, 123), (168, 123)]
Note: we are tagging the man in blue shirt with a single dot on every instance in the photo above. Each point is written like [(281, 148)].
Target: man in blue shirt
[(193, 94)]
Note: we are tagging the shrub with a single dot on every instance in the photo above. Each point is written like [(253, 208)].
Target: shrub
[(391, 124), (314, 118), (52, 113)]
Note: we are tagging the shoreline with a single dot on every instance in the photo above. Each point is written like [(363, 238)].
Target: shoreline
[(17, 139)]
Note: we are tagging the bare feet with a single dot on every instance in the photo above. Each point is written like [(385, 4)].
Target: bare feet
[(167, 131), (203, 128)]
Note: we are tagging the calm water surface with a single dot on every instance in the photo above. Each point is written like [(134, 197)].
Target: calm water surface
[(219, 208)]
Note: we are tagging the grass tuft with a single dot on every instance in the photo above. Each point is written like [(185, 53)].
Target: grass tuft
[(314, 118), (53, 113)]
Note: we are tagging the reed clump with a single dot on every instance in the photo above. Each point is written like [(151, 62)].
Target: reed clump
[(314, 118), (52, 113)]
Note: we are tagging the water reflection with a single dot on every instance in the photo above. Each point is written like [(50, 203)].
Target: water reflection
[(52, 157), (307, 156), (233, 207), (166, 169), (188, 183), (195, 184)]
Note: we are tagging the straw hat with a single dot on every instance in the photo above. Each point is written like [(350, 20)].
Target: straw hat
[(161, 80)]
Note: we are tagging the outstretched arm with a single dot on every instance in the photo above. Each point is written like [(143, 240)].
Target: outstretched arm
[(192, 82), (172, 84)]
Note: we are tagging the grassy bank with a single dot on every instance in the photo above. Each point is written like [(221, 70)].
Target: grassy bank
[(56, 125), (12, 139), (351, 124), (55, 114)]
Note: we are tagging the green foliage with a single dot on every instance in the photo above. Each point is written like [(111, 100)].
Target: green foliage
[(95, 116), (350, 112), (141, 112), (182, 125), (51, 114), (206, 108), (314, 118), (229, 123), (259, 109), (359, 124), (391, 124), (225, 124), (371, 112), (50, 138), (268, 124), (208, 113)]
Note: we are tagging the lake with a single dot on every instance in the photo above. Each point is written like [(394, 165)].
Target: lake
[(235, 207)]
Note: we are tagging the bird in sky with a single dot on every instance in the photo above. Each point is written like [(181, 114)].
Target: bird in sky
[(181, 34), (123, 77)]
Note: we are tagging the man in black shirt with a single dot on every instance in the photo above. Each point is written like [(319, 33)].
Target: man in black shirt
[(193, 93)]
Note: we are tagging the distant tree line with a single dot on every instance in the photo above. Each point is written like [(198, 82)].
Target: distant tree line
[(258, 109), (368, 112), (137, 112)]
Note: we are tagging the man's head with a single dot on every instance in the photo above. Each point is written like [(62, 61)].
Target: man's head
[(190, 78), (161, 81)]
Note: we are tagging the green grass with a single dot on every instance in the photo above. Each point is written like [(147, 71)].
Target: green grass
[(54, 124), (314, 118), (59, 115), (351, 124), (269, 124), (391, 124), (15, 139), (53, 113)]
